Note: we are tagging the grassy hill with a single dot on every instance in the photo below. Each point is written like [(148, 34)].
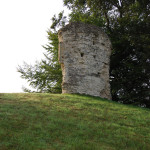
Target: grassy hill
[(71, 122)]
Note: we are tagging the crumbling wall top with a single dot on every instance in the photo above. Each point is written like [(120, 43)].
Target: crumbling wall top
[(82, 27)]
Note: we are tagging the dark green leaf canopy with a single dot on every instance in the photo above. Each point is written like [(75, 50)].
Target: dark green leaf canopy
[(127, 22)]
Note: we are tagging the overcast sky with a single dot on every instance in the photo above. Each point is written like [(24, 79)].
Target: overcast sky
[(23, 26)]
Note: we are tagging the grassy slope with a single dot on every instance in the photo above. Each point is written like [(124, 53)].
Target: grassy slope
[(71, 122)]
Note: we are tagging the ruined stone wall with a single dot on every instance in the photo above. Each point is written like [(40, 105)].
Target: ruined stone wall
[(84, 55)]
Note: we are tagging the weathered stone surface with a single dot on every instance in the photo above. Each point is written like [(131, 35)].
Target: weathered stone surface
[(84, 54)]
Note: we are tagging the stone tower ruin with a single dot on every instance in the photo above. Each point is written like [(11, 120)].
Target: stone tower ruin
[(84, 55)]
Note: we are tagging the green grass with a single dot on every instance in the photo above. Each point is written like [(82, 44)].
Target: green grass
[(71, 122)]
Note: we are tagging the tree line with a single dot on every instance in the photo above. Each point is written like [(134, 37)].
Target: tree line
[(127, 23)]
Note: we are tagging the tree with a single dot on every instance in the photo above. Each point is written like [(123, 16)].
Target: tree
[(127, 24), (45, 76)]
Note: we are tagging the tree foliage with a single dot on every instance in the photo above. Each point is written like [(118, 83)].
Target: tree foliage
[(44, 76), (127, 23)]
